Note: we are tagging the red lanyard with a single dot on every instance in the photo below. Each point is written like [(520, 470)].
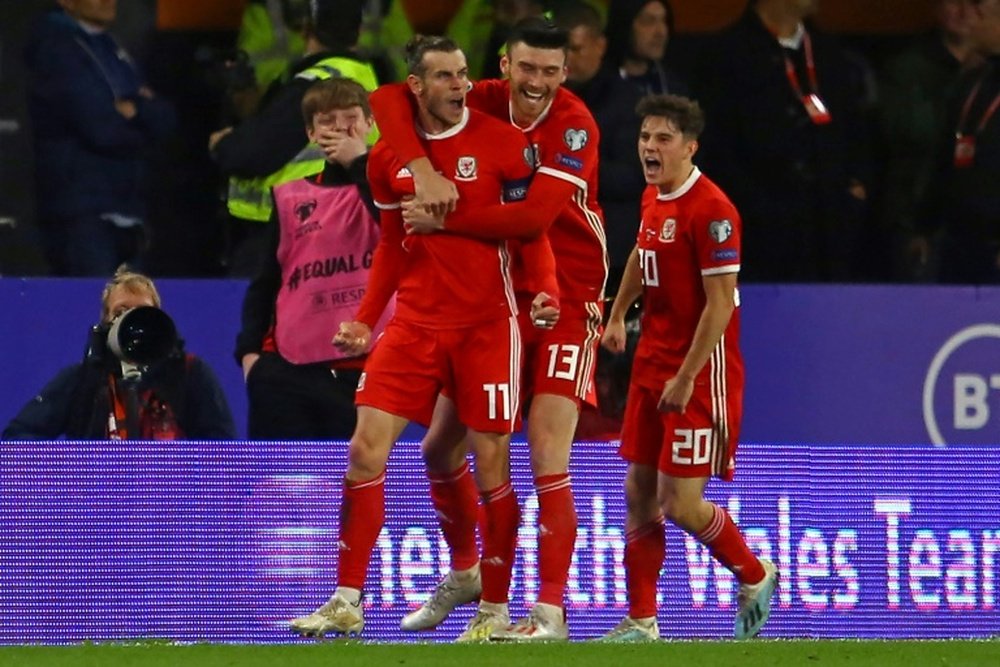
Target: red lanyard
[(793, 75), (117, 417), (990, 110)]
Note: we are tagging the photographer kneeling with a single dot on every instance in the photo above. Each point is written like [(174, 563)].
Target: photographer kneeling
[(135, 381)]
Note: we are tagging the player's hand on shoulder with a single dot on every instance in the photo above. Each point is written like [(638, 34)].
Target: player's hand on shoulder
[(544, 311), (418, 220), (614, 338), (353, 338)]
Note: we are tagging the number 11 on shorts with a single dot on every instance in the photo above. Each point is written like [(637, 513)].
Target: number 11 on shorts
[(498, 394)]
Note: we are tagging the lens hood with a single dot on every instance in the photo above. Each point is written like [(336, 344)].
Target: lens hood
[(142, 335)]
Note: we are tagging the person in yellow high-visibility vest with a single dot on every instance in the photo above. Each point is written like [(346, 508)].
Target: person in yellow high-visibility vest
[(270, 147), (270, 34)]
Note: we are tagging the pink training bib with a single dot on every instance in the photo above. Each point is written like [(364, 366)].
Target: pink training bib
[(328, 238)]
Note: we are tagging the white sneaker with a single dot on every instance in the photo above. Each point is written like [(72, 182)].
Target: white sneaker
[(630, 631), (336, 615), (449, 594), (755, 603), (482, 626), (545, 623)]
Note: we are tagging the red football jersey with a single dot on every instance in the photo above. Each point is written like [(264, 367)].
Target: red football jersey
[(684, 235), (444, 280), (564, 140)]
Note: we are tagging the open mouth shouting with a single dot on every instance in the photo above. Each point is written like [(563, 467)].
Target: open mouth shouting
[(652, 167)]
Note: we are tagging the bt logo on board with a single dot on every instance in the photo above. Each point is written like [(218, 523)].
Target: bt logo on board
[(961, 398)]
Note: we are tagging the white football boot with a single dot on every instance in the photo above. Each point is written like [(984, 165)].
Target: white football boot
[(336, 615), (545, 623), (632, 631), (450, 593)]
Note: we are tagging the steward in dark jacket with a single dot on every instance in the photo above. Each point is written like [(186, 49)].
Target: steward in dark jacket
[(94, 121)]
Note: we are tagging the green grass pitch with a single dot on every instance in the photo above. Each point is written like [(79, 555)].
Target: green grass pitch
[(760, 653)]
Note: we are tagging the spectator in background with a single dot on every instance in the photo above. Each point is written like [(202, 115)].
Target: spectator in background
[(964, 204), (298, 385), (612, 101), (109, 396), (271, 35), (786, 141), (468, 22), (915, 87), (506, 14), (269, 41), (638, 33), (270, 147), (94, 121)]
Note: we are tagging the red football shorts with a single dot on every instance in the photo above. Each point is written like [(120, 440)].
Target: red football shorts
[(701, 442), (478, 367), (562, 360)]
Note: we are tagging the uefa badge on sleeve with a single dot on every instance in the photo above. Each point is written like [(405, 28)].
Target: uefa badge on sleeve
[(720, 230), (575, 139)]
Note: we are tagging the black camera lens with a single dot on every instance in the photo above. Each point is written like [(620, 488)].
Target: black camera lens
[(143, 335)]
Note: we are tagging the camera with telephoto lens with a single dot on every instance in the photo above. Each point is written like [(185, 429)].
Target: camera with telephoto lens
[(140, 336)]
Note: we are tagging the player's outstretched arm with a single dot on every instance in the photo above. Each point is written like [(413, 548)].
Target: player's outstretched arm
[(387, 268), (526, 219), (628, 291)]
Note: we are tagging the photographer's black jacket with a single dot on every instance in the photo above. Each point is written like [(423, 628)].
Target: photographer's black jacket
[(76, 402)]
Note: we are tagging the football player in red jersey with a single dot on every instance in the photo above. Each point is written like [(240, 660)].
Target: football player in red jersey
[(682, 417), (451, 353), (560, 361)]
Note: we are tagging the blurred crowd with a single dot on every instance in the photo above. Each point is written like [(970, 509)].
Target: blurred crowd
[(847, 164)]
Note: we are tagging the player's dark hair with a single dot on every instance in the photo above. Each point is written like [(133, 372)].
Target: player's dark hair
[(422, 44), (538, 32), (683, 112)]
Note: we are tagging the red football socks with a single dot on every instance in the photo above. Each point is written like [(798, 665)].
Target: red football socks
[(456, 501), (499, 542), (645, 548), (362, 513), (726, 544), (556, 536)]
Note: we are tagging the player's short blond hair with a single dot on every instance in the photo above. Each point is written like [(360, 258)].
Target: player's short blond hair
[(132, 282)]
